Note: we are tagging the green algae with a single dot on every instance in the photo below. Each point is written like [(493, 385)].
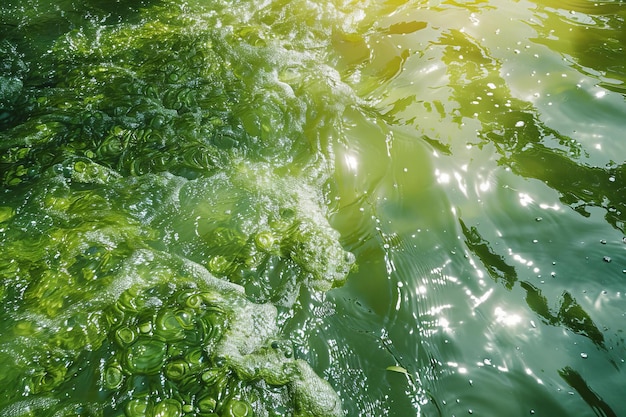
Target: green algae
[(163, 181), (164, 335)]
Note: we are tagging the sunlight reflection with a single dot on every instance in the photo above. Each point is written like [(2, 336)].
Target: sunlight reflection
[(443, 323), (351, 162), (529, 372), (554, 206), (430, 68), (484, 186), (508, 319), (525, 199), (461, 369), (480, 300), (461, 182), (487, 362), (442, 177)]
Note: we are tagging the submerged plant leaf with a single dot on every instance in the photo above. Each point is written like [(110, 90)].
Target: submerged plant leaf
[(398, 369)]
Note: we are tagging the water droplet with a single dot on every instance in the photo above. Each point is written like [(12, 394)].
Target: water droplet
[(583, 355), (603, 241), (538, 219), (606, 259)]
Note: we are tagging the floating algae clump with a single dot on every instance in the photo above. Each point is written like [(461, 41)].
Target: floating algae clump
[(268, 233), (163, 180), (166, 339), (173, 94), (93, 305)]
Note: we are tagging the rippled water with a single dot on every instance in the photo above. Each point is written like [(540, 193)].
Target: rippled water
[(496, 203), (469, 155)]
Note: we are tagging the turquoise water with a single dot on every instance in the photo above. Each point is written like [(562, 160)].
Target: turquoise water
[(273, 208)]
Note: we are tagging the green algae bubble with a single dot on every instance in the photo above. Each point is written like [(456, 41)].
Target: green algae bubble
[(114, 316), (185, 318), (137, 407), (195, 357), (219, 265), (46, 380), (146, 356), (168, 408), (207, 404), (236, 408), (212, 376), (176, 369), (113, 377), (80, 166), (194, 301), (125, 336), (170, 326), (264, 240), (145, 327), (127, 300), (207, 329)]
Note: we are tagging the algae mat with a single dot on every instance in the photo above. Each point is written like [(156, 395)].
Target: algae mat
[(312, 208)]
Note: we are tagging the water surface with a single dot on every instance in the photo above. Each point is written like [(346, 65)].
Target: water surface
[(452, 170)]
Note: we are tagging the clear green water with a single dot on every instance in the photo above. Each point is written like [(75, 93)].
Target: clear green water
[(211, 208)]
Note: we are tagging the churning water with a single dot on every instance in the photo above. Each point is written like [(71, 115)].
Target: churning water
[(311, 208)]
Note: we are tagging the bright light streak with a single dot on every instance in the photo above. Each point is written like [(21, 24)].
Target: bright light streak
[(506, 318), (525, 199), (351, 162), (442, 177)]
